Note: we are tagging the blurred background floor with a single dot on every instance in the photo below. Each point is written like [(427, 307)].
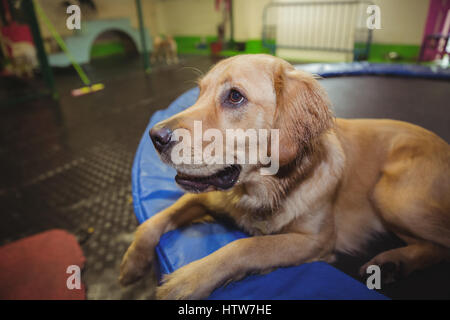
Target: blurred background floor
[(68, 164)]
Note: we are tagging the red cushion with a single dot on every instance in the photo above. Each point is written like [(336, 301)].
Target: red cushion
[(35, 267)]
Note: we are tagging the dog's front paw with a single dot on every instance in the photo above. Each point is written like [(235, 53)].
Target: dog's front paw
[(192, 281), (135, 264)]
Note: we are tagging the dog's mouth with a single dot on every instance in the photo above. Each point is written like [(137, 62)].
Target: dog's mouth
[(221, 180)]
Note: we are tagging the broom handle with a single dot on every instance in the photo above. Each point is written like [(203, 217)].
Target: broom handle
[(61, 43)]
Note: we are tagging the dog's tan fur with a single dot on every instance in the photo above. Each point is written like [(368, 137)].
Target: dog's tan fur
[(340, 183), (164, 49)]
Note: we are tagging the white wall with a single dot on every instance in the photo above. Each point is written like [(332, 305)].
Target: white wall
[(188, 17), (199, 18), (402, 21), (106, 9), (248, 16)]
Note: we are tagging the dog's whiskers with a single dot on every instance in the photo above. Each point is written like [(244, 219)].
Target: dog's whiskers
[(196, 70)]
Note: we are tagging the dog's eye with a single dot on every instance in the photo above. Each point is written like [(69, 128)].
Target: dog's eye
[(235, 97)]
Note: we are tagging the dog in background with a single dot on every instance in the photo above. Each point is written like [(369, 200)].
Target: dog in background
[(23, 57), (164, 48), (340, 183)]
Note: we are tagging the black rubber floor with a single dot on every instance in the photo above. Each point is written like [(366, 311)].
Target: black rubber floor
[(67, 165)]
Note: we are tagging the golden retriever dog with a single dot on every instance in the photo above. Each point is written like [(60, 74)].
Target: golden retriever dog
[(340, 182), (164, 48)]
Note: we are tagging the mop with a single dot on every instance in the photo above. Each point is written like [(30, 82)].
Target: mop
[(88, 87)]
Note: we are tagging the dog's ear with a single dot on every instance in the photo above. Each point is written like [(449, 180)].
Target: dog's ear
[(302, 111)]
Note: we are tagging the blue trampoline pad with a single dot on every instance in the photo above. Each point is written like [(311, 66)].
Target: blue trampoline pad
[(381, 69), (154, 188)]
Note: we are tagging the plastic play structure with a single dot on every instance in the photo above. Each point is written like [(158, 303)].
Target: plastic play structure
[(81, 42), (76, 48)]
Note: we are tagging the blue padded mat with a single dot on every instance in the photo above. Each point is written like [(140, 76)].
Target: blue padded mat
[(154, 189), (387, 69)]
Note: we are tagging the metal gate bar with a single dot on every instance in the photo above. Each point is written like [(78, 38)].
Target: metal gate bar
[(337, 26)]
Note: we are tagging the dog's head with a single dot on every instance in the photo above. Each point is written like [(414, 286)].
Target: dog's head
[(242, 95)]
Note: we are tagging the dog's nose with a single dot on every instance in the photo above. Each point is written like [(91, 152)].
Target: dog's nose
[(160, 137)]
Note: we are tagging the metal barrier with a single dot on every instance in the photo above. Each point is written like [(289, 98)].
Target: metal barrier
[(338, 26)]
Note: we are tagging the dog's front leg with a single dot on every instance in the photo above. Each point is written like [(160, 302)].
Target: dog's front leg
[(232, 262), (139, 255)]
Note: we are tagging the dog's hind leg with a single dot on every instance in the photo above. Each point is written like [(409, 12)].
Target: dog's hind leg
[(413, 203), (400, 262)]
